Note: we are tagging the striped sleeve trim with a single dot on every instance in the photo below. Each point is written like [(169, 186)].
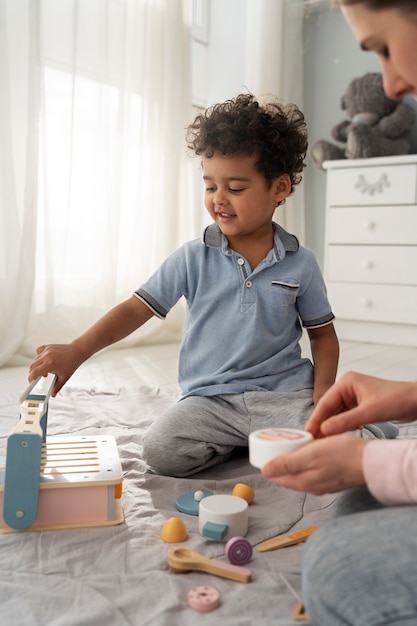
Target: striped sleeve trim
[(321, 321), (150, 302)]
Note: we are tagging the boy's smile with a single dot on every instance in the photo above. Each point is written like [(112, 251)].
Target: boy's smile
[(225, 217), (239, 199)]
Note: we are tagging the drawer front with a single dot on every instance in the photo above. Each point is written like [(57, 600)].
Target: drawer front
[(372, 264), (375, 303), (382, 185), (373, 225)]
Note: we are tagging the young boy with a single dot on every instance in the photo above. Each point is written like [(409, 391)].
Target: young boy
[(248, 285)]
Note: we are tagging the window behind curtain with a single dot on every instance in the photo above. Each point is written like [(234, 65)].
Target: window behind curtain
[(113, 195)]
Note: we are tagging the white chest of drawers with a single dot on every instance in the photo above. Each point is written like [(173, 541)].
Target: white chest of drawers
[(371, 248)]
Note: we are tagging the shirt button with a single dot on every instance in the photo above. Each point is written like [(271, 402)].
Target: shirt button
[(248, 284), (241, 261)]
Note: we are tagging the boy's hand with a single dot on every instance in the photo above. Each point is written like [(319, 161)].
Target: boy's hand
[(59, 359)]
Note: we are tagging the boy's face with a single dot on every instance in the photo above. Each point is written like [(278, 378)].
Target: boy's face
[(237, 196)]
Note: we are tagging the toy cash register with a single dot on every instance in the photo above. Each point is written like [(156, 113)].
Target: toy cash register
[(53, 482)]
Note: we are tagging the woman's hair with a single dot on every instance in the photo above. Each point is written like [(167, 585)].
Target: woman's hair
[(275, 133), (407, 6)]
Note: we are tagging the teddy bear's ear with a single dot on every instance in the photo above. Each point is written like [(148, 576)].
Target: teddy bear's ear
[(343, 103)]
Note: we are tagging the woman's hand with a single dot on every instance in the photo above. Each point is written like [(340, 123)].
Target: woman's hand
[(322, 466), (357, 399)]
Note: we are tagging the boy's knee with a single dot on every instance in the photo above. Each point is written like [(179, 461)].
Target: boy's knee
[(154, 453)]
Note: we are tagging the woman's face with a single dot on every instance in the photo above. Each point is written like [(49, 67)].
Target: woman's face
[(392, 35)]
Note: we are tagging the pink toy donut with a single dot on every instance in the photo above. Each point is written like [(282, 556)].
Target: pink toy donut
[(203, 599)]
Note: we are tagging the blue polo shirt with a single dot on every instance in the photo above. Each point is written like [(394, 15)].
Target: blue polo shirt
[(242, 327)]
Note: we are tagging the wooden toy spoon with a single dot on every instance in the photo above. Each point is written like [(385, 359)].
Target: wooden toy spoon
[(183, 560)]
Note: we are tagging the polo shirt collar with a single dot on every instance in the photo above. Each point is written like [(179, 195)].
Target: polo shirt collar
[(283, 241)]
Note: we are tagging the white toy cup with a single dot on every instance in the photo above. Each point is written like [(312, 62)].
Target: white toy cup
[(223, 511), (266, 444)]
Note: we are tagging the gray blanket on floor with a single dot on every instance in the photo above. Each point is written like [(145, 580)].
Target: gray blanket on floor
[(118, 575)]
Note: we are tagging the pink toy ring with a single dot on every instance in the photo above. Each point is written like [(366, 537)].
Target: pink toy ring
[(203, 599), (238, 550)]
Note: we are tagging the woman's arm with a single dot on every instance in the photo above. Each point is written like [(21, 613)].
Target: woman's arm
[(390, 470), (387, 467)]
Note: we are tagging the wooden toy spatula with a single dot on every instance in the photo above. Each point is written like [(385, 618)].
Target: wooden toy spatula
[(281, 541)]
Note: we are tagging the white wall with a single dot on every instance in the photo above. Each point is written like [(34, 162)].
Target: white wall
[(227, 54)]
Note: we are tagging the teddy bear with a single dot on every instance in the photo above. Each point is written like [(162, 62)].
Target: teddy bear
[(377, 125)]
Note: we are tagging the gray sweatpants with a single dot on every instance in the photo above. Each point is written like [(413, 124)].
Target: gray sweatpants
[(199, 432)]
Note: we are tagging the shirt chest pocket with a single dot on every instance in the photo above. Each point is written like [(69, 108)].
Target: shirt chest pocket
[(284, 292)]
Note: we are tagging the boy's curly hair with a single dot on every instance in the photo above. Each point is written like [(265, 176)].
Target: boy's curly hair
[(274, 132)]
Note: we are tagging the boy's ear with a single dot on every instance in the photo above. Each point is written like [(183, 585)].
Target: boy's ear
[(282, 187)]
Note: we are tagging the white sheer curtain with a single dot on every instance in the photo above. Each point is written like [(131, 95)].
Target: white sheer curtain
[(93, 165), (274, 51)]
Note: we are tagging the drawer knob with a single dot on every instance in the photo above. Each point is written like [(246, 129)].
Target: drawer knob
[(366, 303), (370, 225), (367, 264)]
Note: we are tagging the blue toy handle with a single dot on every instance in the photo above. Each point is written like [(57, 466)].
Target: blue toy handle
[(21, 481), (24, 458)]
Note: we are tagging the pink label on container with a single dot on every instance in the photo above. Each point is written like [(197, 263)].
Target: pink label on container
[(279, 434)]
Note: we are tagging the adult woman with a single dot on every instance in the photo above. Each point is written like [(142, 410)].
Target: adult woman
[(361, 568)]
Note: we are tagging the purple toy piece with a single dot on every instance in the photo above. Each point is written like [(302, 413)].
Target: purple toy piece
[(238, 550)]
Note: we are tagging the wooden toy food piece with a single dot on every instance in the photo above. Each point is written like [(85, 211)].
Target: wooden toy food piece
[(174, 530), (241, 490), (183, 560), (203, 599), (285, 540), (189, 502), (299, 613), (238, 550)]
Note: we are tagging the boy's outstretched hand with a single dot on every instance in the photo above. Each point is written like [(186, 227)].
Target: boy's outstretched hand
[(59, 359)]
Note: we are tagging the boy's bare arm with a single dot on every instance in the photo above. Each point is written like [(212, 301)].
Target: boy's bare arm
[(325, 355), (64, 359)]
